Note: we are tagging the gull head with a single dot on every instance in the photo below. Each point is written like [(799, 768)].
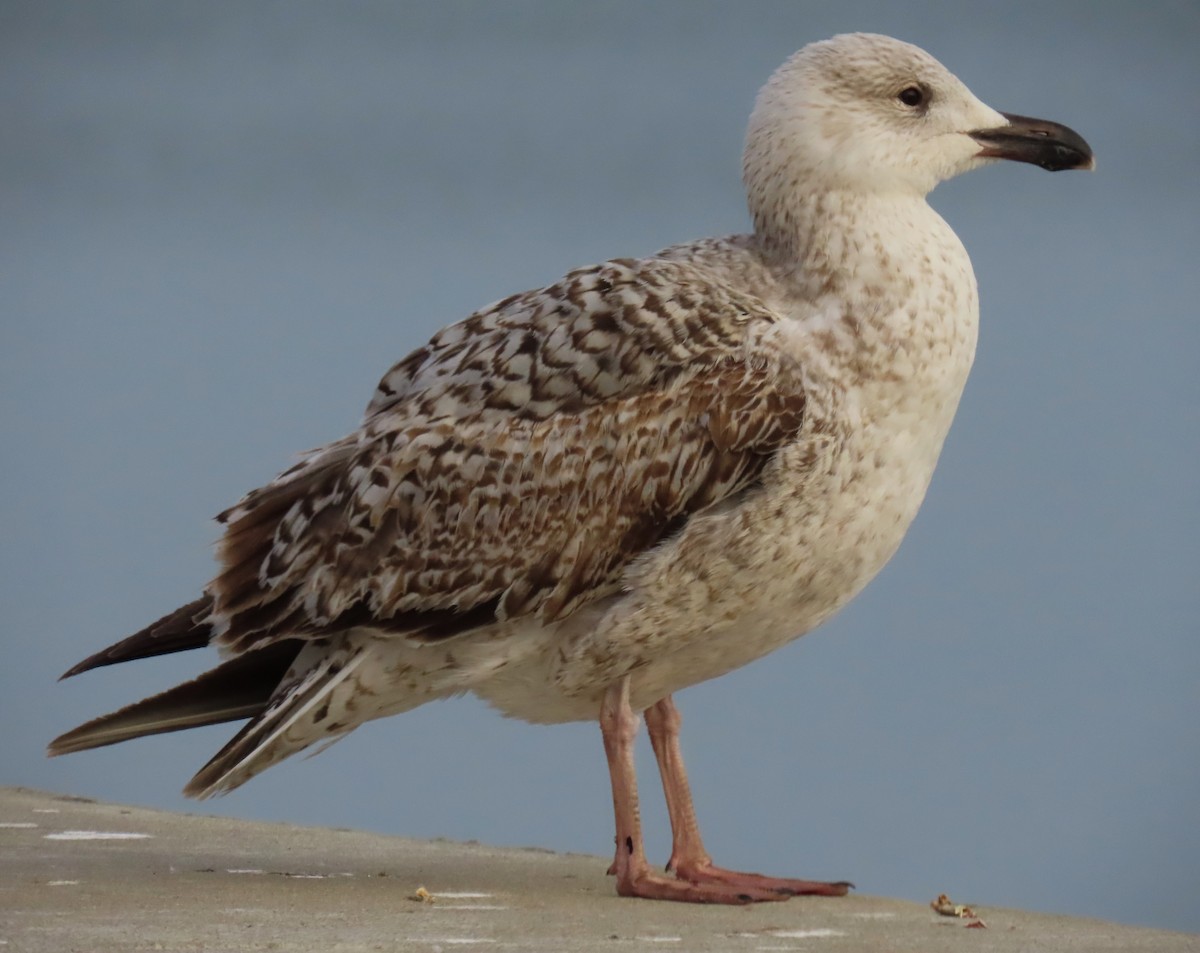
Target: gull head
[(867, 113)]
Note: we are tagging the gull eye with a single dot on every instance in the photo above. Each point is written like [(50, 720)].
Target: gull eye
[(912, 96)]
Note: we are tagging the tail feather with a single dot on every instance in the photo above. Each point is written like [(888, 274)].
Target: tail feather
[(185, 628), (304, 710), (239, 688)]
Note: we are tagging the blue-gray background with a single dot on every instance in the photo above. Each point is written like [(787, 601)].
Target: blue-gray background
[(221, 222)]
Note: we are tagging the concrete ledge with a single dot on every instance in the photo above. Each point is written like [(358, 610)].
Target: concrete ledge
[(79, 875)]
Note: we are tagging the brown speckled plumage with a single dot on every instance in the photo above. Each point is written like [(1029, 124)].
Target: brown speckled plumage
[(518, 461), (586, 497)]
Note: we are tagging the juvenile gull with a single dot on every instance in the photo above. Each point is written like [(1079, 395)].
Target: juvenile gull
[(586, 497)]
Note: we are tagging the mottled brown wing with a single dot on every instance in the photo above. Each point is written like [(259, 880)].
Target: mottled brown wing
[(516, 464)]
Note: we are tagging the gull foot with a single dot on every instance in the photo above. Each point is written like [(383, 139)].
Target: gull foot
[(711, 875), (652, 886)]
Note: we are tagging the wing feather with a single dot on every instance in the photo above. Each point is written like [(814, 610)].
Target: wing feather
[(516, 464)]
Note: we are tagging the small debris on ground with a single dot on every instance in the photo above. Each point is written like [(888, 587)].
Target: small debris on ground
[(948, 908), (421, 895)]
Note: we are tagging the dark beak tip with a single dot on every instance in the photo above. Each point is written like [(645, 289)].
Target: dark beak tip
[(1050, 145), (1071, 161)]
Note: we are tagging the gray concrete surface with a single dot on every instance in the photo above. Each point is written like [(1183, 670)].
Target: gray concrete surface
[(80, 875)]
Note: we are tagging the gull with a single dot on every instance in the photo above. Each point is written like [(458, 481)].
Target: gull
[(586, 497)]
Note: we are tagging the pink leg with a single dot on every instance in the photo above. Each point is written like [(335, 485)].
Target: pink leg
[(619, 725), (689, 860)]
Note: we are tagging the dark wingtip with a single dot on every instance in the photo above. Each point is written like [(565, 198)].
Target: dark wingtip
[(92, 661), (238, 688), (65, 743), (177, 631)]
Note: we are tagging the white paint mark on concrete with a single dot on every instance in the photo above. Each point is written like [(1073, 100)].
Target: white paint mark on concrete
[(61, 883), (804, 934), (24, 825), (96, 835), (462, 895), (46, 810), (244, 870)]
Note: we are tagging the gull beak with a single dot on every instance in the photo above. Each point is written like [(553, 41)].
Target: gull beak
[(1052, 146)]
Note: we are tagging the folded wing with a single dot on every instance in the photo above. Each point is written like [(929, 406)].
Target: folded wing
[(517, 464)]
